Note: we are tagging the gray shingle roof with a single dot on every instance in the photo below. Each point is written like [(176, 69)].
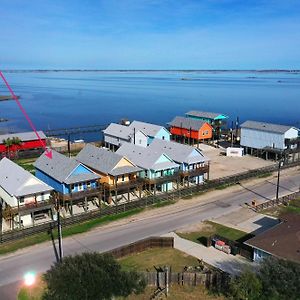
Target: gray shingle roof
[(14, 179), (103, 160), (145, 157), (178, 152), (187, 123), (262, 126), (147, 128), (203, 114), (117, 130), (60, 168), (23, 136)]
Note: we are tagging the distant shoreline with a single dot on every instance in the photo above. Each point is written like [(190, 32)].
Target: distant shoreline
[(149, 70)]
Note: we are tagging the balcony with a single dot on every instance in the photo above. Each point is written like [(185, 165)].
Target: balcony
[(80, 195), (124, 186), (163, 179), (195, 172), (27, 208)]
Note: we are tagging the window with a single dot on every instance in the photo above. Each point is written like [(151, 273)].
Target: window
[(163, 137), (123, 177), (21, 200), (146, 173), (88, 184), (140, 142)]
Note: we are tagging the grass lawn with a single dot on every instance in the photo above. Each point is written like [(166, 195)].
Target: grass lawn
[(34, 292), (158, 257), (277, 211), (210, 228), (27, 164)]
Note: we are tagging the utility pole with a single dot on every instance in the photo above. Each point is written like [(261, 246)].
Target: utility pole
[(278, 178), (59, 230)]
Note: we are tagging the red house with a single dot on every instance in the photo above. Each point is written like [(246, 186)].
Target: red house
[(29, 141), (195, 130)]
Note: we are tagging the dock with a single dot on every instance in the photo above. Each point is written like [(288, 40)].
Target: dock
[(7, 97)]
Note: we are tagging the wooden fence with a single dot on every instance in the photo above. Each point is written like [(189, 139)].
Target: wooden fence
[(142, 245), (212, 279), (282, 200)]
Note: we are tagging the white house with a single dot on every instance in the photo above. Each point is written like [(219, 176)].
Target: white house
[(266, 136), (23, 196), (138, 133)]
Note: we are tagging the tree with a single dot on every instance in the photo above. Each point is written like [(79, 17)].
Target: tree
[(247, 286), (10, 142), (280, 279), (90, 276)]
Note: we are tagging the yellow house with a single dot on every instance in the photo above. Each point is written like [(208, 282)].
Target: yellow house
[(114, 169)]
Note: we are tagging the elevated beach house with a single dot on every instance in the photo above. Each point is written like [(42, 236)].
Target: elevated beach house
[(191, 131), (24, 197), (267, 139), (70, 178), (138, 133), (194, 166), (20, 141), (157, 167), (217, 120), (117, 173)]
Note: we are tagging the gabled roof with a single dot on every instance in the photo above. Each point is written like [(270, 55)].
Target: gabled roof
[(145, 157), (282, 240), (262, 126), (61, 167), (205, 114), (15, 180), (104, 161), (23, 136), (178, 152), (147, 128), (117, 130), (187, 123)]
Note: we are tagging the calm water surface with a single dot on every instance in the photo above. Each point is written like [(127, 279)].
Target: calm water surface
[(66, 99)]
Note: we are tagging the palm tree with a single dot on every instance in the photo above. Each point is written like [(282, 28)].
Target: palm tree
[(10, 142)]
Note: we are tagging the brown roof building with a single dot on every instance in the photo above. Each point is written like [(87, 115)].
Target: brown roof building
[(282, 240)]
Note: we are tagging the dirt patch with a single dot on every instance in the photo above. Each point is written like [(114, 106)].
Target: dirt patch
[(197, 227)]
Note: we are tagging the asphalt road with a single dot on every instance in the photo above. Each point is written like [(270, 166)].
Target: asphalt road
[(40, 257)]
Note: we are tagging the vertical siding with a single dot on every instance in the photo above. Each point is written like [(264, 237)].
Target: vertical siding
[(260, 139)]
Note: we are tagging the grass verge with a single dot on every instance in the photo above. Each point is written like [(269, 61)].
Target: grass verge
[(67, 231), (210, 228)]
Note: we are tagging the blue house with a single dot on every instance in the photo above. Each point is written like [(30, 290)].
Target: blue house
[(194, 166), (157, 167), (65, 175)]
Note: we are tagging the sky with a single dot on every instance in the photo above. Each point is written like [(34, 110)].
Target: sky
[(150, 34)]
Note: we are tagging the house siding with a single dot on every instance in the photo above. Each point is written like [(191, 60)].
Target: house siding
[(260, 139)]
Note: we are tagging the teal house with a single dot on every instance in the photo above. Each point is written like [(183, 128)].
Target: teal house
[(157, 167), (216, 120), (65, 175)]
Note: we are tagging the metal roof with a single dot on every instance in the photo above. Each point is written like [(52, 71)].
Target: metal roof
[(103, 160), (204, 114), (61, 167), (23, 136), (178, 152), (144, 157), (187, 123), (18, 182), (117, 130), (147, 128), (262, 126)]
